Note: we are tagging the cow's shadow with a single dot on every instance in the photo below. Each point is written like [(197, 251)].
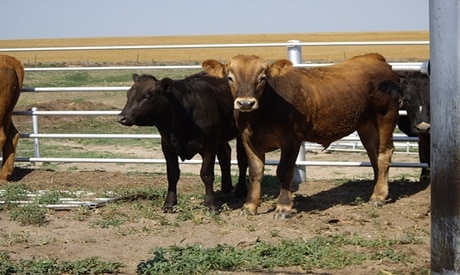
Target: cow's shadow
[(354, 192), (19, 173), (351, 192)]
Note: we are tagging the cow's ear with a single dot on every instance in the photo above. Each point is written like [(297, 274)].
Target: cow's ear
[(135, 77), (214, 68), (279, 67), (165, 84)]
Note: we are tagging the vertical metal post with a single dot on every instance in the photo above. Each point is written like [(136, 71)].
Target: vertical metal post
[(294, 51), (35, 131), (445, 135)]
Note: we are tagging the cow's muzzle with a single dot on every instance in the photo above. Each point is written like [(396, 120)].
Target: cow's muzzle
[(423, 127), (246, 104), (124, 120)]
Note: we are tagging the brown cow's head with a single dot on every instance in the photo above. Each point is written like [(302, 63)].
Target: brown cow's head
[(247, 76), (146, 103)]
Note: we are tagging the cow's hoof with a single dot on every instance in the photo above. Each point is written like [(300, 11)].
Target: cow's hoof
[(213, 209), (282, 214), (377, 203), (247, 212), (168, 209)]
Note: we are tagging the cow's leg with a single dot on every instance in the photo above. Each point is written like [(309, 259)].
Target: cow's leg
[(173, 172), (256, 162), (3, 138), (377, 138), (241, 188), (9, 151), (424, 155), (224, 155), (285, 173), (207, 176)]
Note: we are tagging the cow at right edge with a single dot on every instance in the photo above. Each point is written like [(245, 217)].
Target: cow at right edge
[(415, 91)]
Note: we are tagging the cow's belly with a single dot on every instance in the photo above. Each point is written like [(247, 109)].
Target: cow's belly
[(327, 131), (187, 150)]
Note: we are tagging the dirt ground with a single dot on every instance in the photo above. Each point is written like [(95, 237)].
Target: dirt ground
[(325, 205)]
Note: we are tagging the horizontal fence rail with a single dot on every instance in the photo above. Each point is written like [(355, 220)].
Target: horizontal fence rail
[(397, 66), (350, 141), (237, 45)]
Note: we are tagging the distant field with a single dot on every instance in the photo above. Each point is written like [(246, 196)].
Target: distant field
[(195, 56)]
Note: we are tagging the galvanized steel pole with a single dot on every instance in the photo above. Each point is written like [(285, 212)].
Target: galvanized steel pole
[(295, 56), (445, 140)]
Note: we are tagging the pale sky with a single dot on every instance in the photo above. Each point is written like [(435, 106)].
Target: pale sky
[(23, 19)]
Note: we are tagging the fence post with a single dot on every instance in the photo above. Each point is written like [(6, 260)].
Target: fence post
[(445, 136), (294, 51), (35, 131)]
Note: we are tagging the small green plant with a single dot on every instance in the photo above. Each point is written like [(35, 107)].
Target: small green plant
[(29, 214), (14, 192), (92, 265), (14, 238), (50, 197)]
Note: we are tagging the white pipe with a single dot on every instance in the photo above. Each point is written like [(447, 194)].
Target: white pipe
[(199, 46), (198, 161)]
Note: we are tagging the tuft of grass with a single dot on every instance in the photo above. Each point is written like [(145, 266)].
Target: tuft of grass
[(332, 252), (14, 192), (92, 265), (29, 214), (50, 197)]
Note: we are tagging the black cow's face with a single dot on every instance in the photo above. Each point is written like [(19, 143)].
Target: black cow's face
[(415, 90), (145, 105)]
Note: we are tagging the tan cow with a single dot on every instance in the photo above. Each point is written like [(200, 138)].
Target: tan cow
[(279, 106), (11, 78)]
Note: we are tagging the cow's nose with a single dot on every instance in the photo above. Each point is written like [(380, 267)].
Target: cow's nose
[(423, 127), (246, 104), (122, 119)]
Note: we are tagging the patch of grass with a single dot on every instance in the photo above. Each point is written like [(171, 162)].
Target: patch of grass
[(333, 252), (110, 216), (14, 192), (13, 238), (29, 214), (92, 265), (50, 197)]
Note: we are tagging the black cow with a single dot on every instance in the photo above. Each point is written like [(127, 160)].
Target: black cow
[(193, 116), (415, 90)]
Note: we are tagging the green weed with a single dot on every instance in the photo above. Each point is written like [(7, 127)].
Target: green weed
[(333, 252), (92, 265), (29, 214)]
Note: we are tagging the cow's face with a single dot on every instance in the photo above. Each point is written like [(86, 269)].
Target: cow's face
[(416, 100), (247, 76), (144, 105)]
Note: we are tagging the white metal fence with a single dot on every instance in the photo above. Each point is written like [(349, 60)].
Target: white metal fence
[(349, 143)]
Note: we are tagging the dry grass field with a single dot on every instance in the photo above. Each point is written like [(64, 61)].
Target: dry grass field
[(195, 56)]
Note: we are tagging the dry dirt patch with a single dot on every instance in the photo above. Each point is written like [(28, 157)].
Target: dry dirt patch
[(324, 207)]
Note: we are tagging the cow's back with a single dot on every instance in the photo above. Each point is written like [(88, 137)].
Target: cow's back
[(208, 103), (338, 97)]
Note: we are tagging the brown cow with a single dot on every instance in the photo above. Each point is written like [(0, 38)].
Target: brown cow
[(279, 106), (11, 78)]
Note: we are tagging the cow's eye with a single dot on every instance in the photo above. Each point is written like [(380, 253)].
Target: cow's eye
[(262, 79), (230, 79), (147, 96)]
